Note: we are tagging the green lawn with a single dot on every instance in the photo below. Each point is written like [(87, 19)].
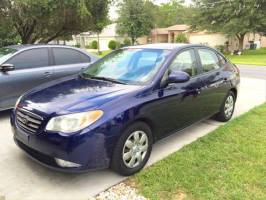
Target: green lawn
[(250, 57), (103, 53), (229, 163)]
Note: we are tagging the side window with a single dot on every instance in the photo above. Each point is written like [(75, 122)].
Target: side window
[(222, 60), (209, 60), (30, 59), (84, 58), (186, 62), (65, 56)]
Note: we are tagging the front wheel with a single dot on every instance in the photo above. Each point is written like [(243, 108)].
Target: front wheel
[(133, 149), (227, 108)]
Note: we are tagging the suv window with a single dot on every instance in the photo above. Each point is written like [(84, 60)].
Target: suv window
[(65, 56), (209, 60), (30, 59), (186, 62)]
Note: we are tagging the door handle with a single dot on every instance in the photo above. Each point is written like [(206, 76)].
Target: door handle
[(47, 74)]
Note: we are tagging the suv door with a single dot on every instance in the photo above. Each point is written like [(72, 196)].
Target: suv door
[(213, 75), (68, 61), (179, 104), (30, 71)]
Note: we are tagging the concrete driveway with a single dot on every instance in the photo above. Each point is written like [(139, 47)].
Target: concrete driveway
[(253, 71), (23, 179)]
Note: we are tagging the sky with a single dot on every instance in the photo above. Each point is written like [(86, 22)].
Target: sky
[(113, 9)]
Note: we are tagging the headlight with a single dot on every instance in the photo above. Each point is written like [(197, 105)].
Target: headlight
[(73, 122)]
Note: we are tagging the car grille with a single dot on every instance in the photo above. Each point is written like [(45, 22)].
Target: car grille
[(28, 121)]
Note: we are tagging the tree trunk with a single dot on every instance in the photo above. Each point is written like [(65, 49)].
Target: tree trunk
[(98, 38), (133, 40), (241, 38)]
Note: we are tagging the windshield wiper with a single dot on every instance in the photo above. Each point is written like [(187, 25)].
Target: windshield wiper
[(102, 78)]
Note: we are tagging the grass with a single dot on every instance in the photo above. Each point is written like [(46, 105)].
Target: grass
[(250, 57), (229, 163), (103, 53)]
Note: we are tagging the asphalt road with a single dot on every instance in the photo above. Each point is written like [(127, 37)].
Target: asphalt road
[(249, 71), (23, 179)]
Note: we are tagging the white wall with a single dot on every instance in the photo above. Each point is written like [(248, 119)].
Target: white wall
[(208, 39)]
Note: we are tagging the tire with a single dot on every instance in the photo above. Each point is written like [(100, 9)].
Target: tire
[(225, 115), (130, 155)]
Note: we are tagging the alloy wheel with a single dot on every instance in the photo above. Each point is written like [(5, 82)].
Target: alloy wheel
[(229, 106), (135, 149)]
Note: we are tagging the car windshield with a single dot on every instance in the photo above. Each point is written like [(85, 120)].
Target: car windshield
[(129, 66), (6, 53)]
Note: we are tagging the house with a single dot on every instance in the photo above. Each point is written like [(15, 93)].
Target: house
[(169, 35), (162, 35), (108, 34)]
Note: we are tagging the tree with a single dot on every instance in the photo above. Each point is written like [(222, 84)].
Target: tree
[(8, 36), (135, 19), (45, 20), (99, 21), (170, 13), (234, 18)]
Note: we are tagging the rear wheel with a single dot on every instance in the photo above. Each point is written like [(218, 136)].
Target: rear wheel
[(227, 108), (132, 150)]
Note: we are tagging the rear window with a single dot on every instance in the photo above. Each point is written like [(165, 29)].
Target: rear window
[(65, 56), (209, 60)]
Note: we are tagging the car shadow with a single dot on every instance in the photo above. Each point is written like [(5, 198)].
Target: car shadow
[(5, 114)]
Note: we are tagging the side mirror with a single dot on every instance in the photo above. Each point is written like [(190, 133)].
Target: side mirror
[(178, 77), (6, 67)]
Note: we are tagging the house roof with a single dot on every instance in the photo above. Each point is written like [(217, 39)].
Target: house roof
[(165, 31), (178, 27), (159, 31)]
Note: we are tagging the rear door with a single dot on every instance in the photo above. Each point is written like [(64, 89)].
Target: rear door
[(30, 71), (213, 75), (68, 61)]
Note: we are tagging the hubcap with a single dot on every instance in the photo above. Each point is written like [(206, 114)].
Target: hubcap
[(229, 106), (135, 149)]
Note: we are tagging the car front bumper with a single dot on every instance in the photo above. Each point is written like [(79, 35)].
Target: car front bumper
[(89, 150)]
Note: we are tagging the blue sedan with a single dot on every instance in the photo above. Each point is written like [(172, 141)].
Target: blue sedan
[(112, 113)]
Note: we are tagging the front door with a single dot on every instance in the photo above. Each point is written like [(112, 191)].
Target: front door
[(30, 71), (179, 104)]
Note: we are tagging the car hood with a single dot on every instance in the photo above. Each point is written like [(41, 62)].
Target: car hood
[(73, 94)]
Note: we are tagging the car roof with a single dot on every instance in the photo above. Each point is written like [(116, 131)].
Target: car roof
[(165, 46), (32, 46)]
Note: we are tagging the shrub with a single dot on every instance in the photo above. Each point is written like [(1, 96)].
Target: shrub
[(77, 45), (181, 38), (112, 45), (126, 42), (94, 44), (220, 48)]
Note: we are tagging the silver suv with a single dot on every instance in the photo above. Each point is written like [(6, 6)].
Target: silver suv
[(23, 67)]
